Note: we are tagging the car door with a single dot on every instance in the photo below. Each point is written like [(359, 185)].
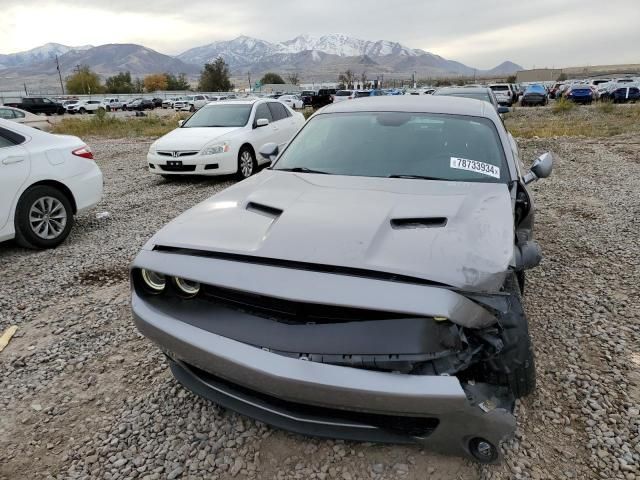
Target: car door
[(14, 171), (262, 135), (286, 123)]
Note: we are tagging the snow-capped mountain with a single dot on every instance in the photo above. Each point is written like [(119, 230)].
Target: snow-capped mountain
[(345, 46), (38, 54), (244, 50)]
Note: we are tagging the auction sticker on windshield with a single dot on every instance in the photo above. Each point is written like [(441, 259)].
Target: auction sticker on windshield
[(475, 166)]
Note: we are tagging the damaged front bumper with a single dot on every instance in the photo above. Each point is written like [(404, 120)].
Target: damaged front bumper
[(311, 397)]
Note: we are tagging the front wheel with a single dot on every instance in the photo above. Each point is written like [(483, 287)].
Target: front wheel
[(82, 111), (44, 217), (246, 163)]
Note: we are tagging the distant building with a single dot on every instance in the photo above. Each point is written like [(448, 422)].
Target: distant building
[(538, 75)]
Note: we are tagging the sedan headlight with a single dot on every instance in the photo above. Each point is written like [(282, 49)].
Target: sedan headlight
[(215, 149)]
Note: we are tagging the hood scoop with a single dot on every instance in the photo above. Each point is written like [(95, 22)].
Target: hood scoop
[(265, 210), (412, 223)]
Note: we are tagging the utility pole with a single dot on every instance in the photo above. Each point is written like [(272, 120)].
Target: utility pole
[(25, 90), (59, 74), (249, 75)]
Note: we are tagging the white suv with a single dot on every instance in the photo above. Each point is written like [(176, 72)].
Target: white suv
[(191, 103), (503, 93), (85, 106)]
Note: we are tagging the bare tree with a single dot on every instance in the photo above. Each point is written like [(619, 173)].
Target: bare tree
[(347, 78), (363, 78), (293, 78)]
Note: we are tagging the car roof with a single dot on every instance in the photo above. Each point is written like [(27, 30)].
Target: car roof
[(417, 104), (463, 90)]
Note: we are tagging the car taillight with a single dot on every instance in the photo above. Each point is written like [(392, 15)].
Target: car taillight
[(84, 152)]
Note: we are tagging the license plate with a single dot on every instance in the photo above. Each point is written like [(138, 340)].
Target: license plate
[(174, 163)]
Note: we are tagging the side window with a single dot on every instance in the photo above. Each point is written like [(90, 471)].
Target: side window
[(46, 100), (27, 101), (9, 138), (278, 111), (262, 111), (17, 113), (6, 114)]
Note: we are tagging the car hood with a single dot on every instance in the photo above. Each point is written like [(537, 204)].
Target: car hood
[(456, 233), (191, 138)]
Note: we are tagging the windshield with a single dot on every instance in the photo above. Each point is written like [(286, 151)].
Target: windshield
[(219, 115), (343, 93), (395, 144), (500, 88)]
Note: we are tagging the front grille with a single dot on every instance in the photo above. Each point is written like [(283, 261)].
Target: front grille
[(289, 311), (178, 154), (178, 168)]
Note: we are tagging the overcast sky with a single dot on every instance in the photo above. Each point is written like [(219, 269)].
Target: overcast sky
[(481, 34)]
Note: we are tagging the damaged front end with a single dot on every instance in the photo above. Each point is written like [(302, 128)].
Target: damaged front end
[(340, 354)]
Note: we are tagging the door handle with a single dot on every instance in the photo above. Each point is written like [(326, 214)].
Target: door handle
[(10, 160)]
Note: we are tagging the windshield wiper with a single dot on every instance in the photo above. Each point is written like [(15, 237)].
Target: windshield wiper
[(420, 177), (302, 170)]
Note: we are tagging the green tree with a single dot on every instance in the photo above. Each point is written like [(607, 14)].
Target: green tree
[(562, 77), (84, 81), (120, 83), (177, 83), (215, 77), (511, 79), (138, 85), (270, 78)]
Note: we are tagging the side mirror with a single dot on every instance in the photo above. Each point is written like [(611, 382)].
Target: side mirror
[(541, 168), (269, 151), (262, 122), (180, 123), (503, 110)]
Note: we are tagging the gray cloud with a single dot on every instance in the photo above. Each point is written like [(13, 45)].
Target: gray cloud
[(481, 34)]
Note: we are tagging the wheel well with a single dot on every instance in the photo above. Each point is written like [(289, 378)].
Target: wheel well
[(62, 187), (249, 147)]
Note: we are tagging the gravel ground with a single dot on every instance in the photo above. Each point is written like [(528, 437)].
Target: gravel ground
[(83, 395)]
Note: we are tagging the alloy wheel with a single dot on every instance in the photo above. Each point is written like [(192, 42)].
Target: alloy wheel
[(246, 164), (47, 218)]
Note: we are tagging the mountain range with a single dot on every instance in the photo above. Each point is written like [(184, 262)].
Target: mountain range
[(317, 58)]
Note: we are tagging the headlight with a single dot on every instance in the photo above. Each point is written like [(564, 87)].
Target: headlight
[(216, 149), (187, 288), (154, 281)]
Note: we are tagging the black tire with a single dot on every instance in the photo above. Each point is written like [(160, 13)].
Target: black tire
[(108, 108), (82, 110), (243, 173), (192, 109), (514, 367), (25, 233)]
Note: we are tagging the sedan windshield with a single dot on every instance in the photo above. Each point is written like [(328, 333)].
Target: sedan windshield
[(220, 115), (396, 144)]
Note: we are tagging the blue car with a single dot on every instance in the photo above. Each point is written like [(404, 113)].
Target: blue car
[(580, 94), (622, 94), (534, 95)]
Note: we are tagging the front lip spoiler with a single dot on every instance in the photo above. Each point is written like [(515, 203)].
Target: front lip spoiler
[(463, 413)]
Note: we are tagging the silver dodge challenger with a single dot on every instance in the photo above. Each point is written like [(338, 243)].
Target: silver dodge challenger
[(366, 286)]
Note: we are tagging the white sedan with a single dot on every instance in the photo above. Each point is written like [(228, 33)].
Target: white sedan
[(223, 138), (292, 101), (45, 180), (25, 118)]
